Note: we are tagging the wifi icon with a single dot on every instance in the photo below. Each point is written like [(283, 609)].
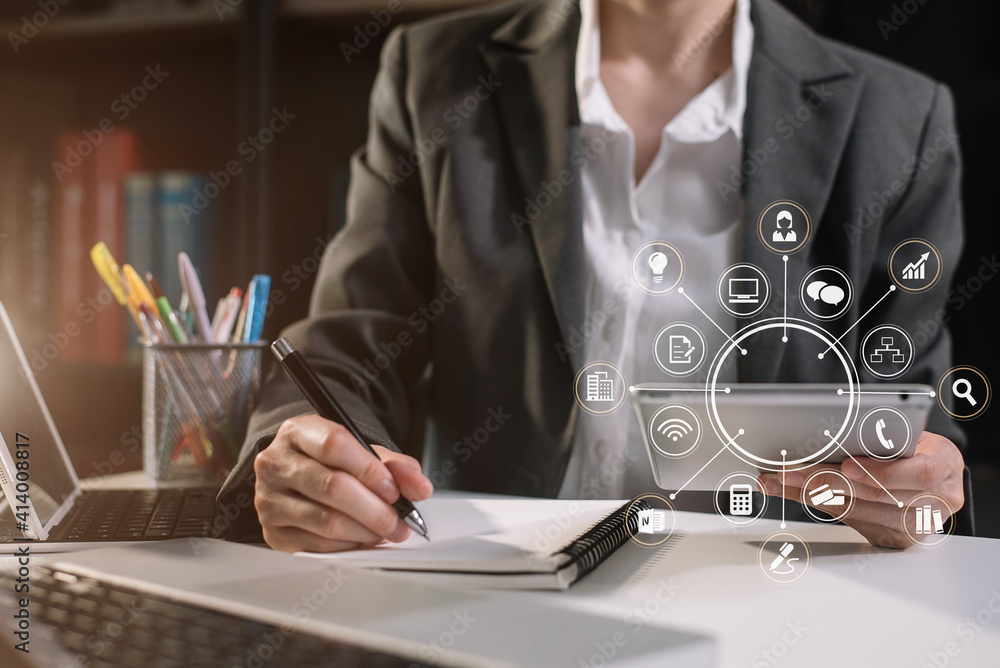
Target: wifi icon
[(674, 429)]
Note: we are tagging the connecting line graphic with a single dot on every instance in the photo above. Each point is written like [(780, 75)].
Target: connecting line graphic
[(742, 351), (783, 453), (892, 288), (932, 393), (784, 294), (839, 445), (673, 495)]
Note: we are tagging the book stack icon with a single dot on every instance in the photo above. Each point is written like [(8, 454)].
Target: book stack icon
[(925, 518)]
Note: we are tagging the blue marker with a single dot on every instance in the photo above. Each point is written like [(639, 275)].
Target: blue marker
[(258, 293)]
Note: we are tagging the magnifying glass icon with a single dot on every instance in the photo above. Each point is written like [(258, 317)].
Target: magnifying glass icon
[(965, 392)]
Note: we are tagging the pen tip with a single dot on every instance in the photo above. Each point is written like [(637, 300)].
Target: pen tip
[(427, 537)]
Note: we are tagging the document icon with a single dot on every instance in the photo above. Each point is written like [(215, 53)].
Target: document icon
[(680, 349), (652, 520)]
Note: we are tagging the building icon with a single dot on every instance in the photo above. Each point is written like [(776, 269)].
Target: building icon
[(600, 387)]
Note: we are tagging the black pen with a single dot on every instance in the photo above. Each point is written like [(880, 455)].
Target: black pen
[(328, 407)]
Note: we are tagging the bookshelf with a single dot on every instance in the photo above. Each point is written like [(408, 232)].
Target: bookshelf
[(231, 64)]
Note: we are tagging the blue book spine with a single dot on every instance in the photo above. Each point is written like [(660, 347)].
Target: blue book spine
[(184, 226)]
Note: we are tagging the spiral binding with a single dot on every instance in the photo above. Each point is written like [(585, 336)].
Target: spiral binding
[(606, 536)]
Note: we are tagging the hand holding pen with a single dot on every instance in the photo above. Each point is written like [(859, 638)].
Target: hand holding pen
[(318, 489)]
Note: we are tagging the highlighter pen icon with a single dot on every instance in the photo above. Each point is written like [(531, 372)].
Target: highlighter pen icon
[(786, 549)]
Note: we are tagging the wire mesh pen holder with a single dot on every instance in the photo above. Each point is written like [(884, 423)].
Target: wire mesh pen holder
[(196, 402)]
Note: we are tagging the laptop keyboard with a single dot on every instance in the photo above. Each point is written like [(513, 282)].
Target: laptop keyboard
[(118, 626), (133, 514)]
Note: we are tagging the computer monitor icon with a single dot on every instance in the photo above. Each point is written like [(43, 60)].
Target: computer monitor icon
[(744, 290)]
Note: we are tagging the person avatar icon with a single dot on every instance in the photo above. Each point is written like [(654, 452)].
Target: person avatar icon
[(788, 236)]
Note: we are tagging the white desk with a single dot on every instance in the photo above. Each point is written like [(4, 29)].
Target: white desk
[(857, 606)]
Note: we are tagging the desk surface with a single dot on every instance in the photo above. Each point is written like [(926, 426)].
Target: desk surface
[(857, 605)]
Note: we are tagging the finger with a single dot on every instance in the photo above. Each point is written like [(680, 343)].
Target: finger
[(772, 487), (798, 477), (293, 539), (934, 460), (412, 482), (293, 510), (881, 535), (342, 491), (331, 444)]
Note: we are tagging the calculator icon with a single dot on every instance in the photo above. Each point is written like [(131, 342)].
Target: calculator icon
[(740, 500)]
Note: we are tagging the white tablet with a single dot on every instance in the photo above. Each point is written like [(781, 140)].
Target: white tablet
[(767, 427)]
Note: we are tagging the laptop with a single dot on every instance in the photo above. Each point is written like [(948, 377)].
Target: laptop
[(213, 603), (42, 495)]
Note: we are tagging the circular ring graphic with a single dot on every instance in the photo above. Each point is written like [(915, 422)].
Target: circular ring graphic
[(928, 523), (600, 388), (914, 277), (685, 429), (741, 499), (962, 389), (840, 500), (771, 230), (851, 392), (685, 352), (656, 262), (890, 349), (888, 448), (666, 535)]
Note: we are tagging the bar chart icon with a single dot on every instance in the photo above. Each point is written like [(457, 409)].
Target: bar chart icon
[(929, 521), (916, 271)]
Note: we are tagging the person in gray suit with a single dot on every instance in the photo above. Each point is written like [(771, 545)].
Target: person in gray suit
[(492, 189)]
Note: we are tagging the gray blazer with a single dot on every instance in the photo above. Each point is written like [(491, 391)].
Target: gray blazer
[(462, 252)]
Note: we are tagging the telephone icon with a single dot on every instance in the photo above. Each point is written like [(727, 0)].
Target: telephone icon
[(886, 442)]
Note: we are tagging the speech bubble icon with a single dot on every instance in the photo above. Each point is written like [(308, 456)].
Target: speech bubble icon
[(814, 288), (832, 295)]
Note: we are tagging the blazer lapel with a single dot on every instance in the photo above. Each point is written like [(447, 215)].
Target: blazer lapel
[(803, 97), (533, 54)]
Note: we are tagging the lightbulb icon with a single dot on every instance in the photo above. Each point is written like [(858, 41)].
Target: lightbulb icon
[(657, 262)]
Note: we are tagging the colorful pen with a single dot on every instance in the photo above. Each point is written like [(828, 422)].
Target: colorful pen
[(192, 288)]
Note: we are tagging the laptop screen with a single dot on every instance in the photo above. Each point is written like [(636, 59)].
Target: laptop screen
[(50, 482)]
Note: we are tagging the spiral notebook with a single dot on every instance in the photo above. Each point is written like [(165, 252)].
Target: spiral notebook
[(506, 543)]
